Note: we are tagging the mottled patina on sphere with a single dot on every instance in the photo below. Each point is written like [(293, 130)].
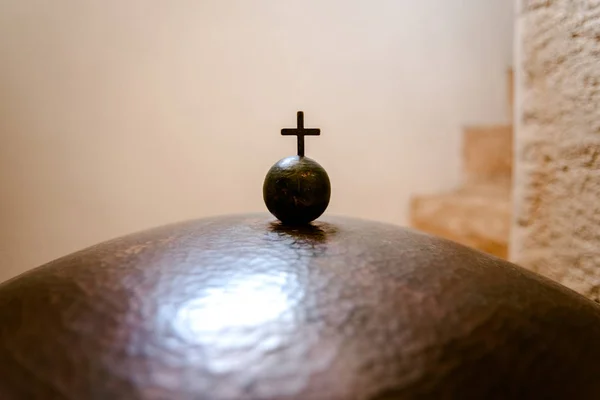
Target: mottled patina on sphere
[(297, 190)]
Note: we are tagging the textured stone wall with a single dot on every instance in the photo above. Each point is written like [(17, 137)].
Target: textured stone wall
[(557, 172)]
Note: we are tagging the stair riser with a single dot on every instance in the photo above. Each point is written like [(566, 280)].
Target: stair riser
[(488, 153)]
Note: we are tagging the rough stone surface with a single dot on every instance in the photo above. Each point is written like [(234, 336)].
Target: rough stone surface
[(557, 172)]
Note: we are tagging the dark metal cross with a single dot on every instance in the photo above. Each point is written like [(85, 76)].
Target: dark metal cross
[(300, 131)]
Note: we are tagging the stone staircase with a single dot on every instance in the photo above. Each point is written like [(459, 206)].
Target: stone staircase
[(478, 214)]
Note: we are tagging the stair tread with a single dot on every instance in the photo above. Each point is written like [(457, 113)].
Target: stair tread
[(477, 215)]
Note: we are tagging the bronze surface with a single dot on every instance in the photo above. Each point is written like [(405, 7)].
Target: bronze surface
[(242, 307)]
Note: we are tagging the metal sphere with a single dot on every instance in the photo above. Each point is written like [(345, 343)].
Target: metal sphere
[(297, 190)]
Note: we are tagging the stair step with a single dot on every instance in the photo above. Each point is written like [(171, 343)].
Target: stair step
[(476, 216), (488, 153)]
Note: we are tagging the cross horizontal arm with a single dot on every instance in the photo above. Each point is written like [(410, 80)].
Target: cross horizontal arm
[(305, 132), (300, 132)]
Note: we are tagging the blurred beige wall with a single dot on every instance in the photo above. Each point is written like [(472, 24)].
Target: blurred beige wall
[(120, 115)]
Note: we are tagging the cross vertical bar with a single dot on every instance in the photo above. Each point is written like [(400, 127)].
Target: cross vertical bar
[(300, 132), (300, 127)]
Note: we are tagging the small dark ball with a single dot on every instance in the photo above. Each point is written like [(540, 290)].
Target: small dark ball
[(297, 190)]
